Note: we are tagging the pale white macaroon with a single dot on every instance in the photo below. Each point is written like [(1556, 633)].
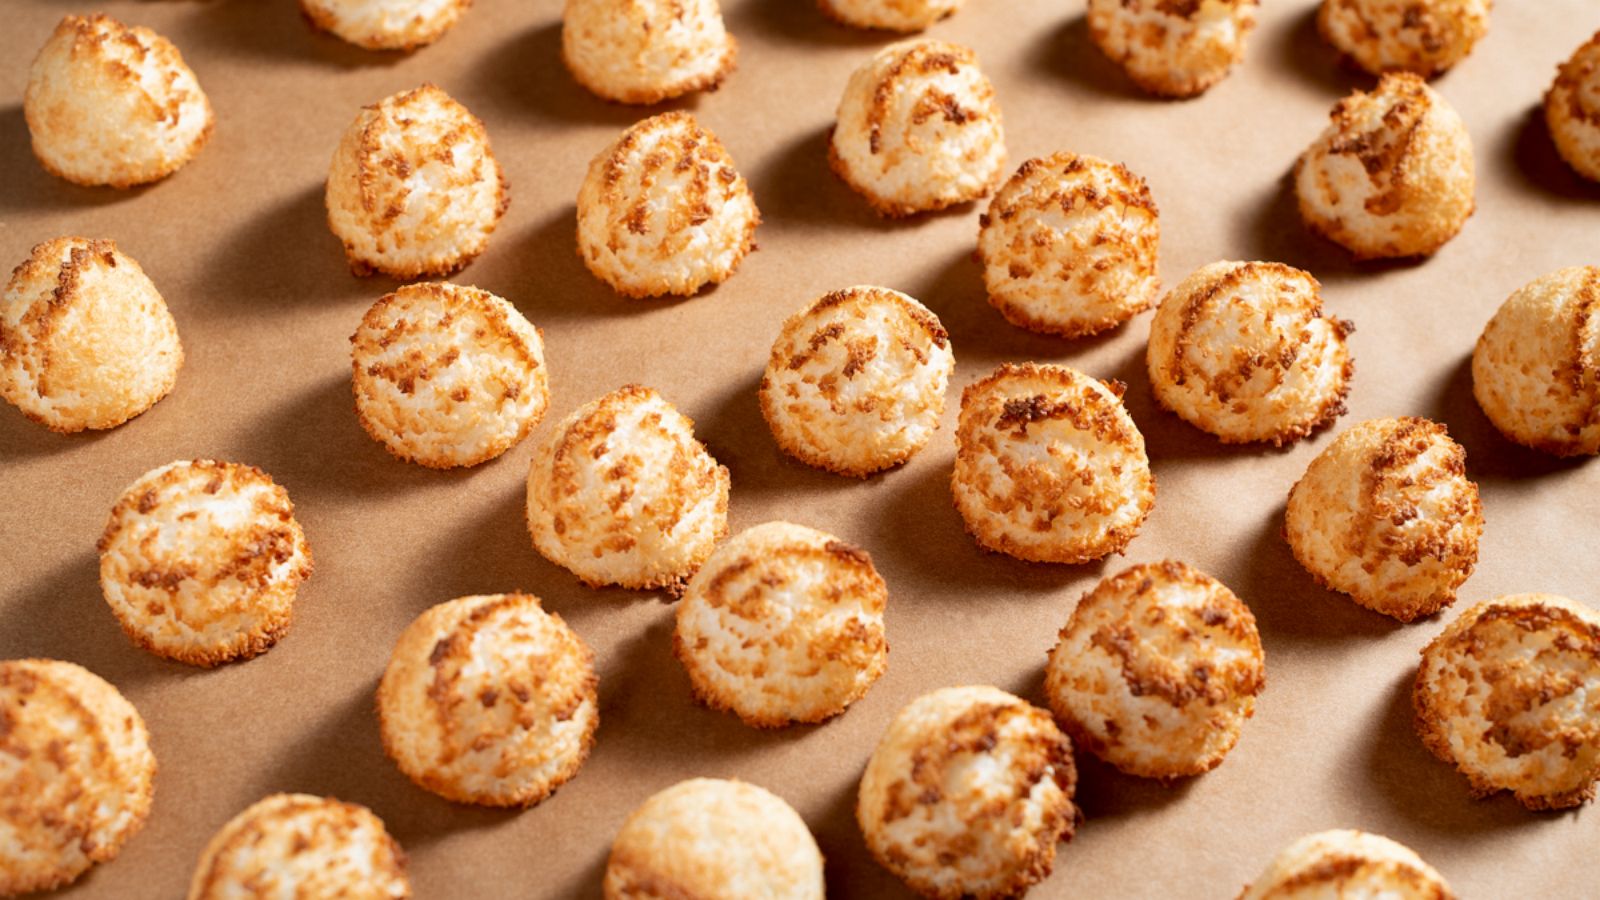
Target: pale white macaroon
[(919, 129), (447, 375), (1510, 694), (856, 381), (1572, 110), (414, 189), (1387, 514), (1536, 367), (107, 104), (1157, 670), (1422, 36), (783, 624), (77, 775), (709, 838), (385, 24), (301, 846), (646, 51), (620, 492), (86, 341), (1173, 48), (1348, 865), (889, 15), (489, 700), (1069, 245), (1243, 351), (663, 210), (968, 793), (1393, 175), (1049, 465), (201, 560)]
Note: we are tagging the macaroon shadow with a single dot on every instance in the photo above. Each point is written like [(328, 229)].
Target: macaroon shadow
[(848, 867), (274, 32), (1276, 231), (795, 184), (1527, 149), (801, 22), (1067, 53), (737, 435), (21, 437), (29, 188), (544, 276), (1301, 49), (1491, 456)]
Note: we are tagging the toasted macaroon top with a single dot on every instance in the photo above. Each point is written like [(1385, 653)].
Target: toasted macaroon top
[(707, 837), (664, 211), (1572, 109), (298, 845), (646, 51), (1421, 36), (78, 775), (489, 700), (889, 15), (1348, 864), (385, 24), (968, 793), (1173, 48)]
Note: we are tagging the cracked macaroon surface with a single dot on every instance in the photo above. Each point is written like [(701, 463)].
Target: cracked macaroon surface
[(646, 51), (1173, 48), (1421, 36), (1572, 110), (301, 846), (1348, 865), (889, 15), (385, 24)]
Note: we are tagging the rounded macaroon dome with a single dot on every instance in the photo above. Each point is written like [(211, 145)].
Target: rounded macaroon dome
[(1572, 110), (919, 129), (856, 381), (1536, 367), (1049, 465), (298, 845), (621, 492), (82, 775), (385, 24), (646, 51), (968, 793), (489, 700), (85, 339), (663, 210), (1173, 48), (782, 625), (447, 375), (1387, 515), (200, 561), (1510, 694), (707, 837), (1242, 350), (1425, 37), (889, 15), (414, 189), (107, 104), (1068, 246), (1347, 863), (1392, 176), (1157, 671)]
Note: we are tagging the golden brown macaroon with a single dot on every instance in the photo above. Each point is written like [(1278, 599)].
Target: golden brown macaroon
[(201, 561), (1242, 350), (385, 24), (646, 51), (77, 776), (889, 15), (1393, 175), (85, 339), (1173, 48), (300, 846), (1348, 865), (968, 794), (1572, 110), (1510, 694), (1426, 37), (1049, 465), (1157, 671), (1387, 515), (107, 104), (489, 700)]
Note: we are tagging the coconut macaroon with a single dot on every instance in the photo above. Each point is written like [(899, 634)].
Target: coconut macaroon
[(621, 492), (85, 339), (889, 15), (385, 24), (1572, 110), (414, 189), (968, 793), (201, 560), (1348, 864), (297, 845), (1510, 694), (446, 375), (663, 211), (1049, 465), (1387, 515), (489, 700), (919, 129), (77, 778), (1173, 48), (646, 51), (1243, 351), (856, 381), (1068, 246), (1157, 671), (707, 837), (111, 105), (1421, 36), (783, 624), (1392, 176), (1536, 367)]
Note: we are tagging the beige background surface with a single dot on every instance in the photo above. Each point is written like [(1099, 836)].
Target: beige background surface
[(237, 244)]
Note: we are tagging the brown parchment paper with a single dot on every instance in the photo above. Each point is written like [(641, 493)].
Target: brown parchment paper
[(238, 245)]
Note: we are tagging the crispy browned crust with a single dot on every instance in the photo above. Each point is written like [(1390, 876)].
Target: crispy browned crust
[(1168, 88), (321, 21), (708, 82), (1418, 16), (832, 14), (1334, 870), (247, 828), (1563, 104)]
